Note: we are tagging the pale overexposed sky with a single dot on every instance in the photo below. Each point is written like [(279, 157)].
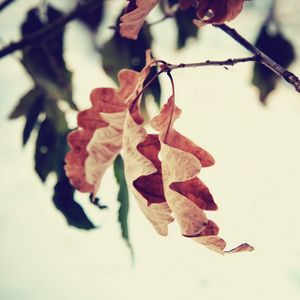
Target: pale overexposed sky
[(255, 182)]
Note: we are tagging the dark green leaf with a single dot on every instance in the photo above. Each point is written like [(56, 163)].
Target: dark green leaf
[(46, 149), (63, 200), (25, 103), (56, 116), (50, 141), (185, 27), (92, 14), (271, 41), (44, 59), (32, 116), (63, 197), (122, 198), (119, 53)]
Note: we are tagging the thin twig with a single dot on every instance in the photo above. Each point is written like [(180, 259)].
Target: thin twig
[(46, 31), (208, 63), (288, 76), (5, 3)]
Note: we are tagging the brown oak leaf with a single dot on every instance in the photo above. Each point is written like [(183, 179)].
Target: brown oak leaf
[(186, 195), (134, 17), (213, 11), (207, 12), (161, 169), (143, 171), (98, 140)]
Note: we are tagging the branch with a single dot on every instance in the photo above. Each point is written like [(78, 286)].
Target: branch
[(228, 62), (5, 3), (167, 68), (288, 76), (46, 31)]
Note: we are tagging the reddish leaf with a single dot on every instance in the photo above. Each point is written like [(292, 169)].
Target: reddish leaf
[(134, 17), (207, 12), (187, 196), (160, 170), (98, 140), (143, 171), (213, 11)]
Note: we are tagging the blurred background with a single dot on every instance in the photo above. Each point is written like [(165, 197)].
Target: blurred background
[(57, 246)]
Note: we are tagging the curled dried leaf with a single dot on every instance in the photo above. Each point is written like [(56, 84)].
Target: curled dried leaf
[(207, 12), (186, 195), (134, 17), (143, 172), (182, 160), (98, 140), (213, 11)]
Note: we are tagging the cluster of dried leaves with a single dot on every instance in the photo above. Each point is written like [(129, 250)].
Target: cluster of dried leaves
[(160, 169), (207, 12)]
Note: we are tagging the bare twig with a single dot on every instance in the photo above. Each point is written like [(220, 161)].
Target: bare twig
[(5, 3), (46, 31), (262, 57), (208, 63)]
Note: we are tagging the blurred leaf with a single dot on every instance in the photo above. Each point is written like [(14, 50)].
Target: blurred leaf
[(92, 14), (56, 116), (49, 146), (46, 149), (32, 116), (185, 27), (25, 103), (122, 198), (118, 53), (44, 59), (45, 63), (63, 197), (271, 41)]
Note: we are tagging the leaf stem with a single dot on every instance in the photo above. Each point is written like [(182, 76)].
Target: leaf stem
[(261, 57)]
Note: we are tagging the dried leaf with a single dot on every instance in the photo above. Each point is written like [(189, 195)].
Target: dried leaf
[(186, 195), (134, 17), (213, 11), (98, 140), (143, 172), (207, 12)]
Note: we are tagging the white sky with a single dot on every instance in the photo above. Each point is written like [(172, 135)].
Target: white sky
[(255, 182)]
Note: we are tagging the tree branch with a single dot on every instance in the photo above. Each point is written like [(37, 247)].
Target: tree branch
[(46, 31), (227, 62), (288, 76), (5, 3)]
